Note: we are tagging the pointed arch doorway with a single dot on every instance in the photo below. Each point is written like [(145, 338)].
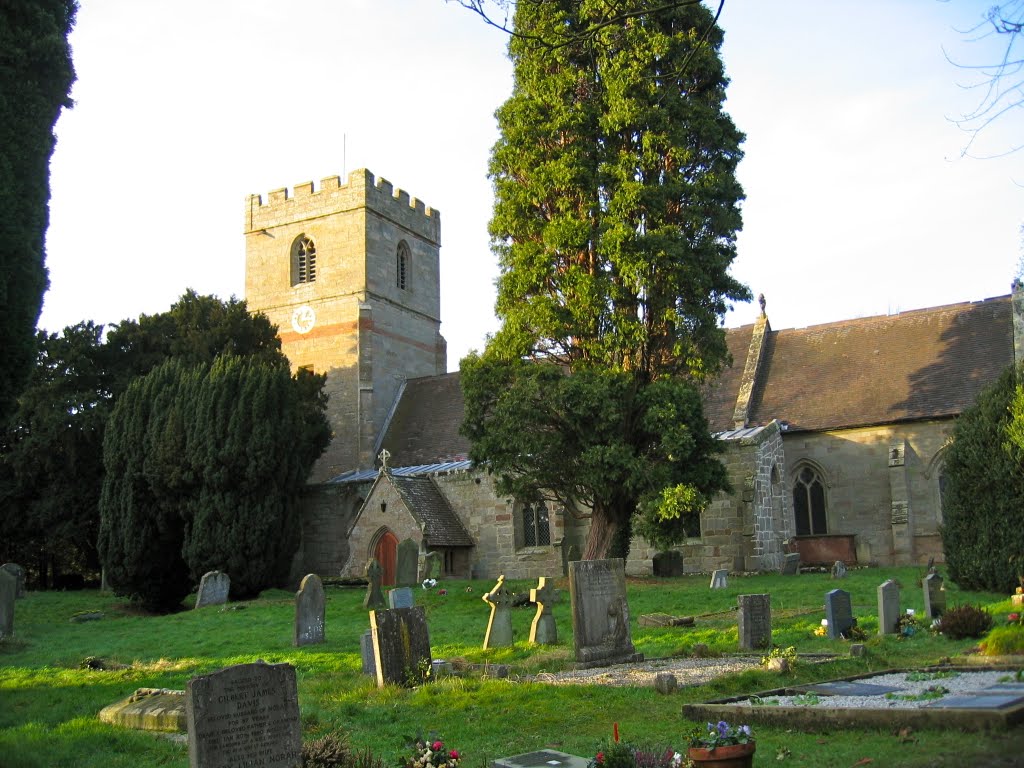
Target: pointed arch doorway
[(386, 553)]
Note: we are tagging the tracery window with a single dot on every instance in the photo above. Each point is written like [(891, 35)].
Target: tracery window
[(535, 525), (303, 260), (809, 506), (402, 266)]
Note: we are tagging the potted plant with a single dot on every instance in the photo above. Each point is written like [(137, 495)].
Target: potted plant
[(721, 745)]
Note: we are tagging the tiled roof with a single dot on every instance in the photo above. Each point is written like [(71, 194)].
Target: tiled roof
[(924, 364), (441, 526), (424, 428), (720, 393)]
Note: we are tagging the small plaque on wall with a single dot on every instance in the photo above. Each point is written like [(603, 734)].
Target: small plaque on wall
[(900, 512), (896, 454)]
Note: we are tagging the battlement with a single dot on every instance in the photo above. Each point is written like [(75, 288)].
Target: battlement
[(361, 190)]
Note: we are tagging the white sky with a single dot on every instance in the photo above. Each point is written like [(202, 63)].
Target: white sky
[(858, 201)]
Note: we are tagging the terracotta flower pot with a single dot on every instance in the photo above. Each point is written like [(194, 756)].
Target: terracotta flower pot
[(732, 756)]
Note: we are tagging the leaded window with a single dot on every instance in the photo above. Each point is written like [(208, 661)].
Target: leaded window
[(809, 503), (536, 528)]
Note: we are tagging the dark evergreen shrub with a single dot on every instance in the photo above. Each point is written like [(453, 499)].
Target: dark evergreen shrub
[(964, 621), (983, 496)]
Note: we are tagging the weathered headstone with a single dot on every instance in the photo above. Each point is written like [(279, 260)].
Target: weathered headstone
[(791, 564), (600, 613), (839, 570), (499, 623), (244, 715), (407, 564), (570, 554), (310, 611), (888, 608), (755, 621), (430, 568), (366, 651), (838, 613), (668, 564), (719, 578), (402, 597), (213, 589), (18, 573), (8, 594), (543, 630), (934, 596), (374, 599), (401, 646), (665, 682)]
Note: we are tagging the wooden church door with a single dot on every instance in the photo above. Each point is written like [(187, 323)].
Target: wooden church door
[(386, 553)]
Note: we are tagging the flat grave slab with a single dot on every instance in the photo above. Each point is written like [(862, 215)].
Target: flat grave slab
[(980, 700), (148, 709), (1005, 688), (543, 758), (845, 688)]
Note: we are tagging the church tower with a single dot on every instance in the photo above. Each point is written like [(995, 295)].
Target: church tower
[(350, 274)]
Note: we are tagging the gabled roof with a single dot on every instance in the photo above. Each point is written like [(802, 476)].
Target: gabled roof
[(924, 364), (424, 428), (441, 526)]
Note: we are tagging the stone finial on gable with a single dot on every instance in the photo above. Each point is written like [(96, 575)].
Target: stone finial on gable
[(384, 455)]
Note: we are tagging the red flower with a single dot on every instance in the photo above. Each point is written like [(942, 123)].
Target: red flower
[(437, 746), (1013, 617), (454, 754), (600, 757)]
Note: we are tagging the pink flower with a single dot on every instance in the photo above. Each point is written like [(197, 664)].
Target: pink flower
[(1013, 617), (442, 591), (454, 754), (437, 746), (600, 757)]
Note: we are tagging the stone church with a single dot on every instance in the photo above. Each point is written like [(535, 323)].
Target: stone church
[(833, 434)]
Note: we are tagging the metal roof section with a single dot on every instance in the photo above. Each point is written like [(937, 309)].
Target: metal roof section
[(367, 475), (739, 434)]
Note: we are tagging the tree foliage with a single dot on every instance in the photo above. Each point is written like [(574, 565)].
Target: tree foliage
[(204, 466), (616, 210), (982, 536), (35, 79), (51, 457)]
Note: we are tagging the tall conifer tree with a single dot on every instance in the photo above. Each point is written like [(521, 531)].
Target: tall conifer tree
[(614, 224)]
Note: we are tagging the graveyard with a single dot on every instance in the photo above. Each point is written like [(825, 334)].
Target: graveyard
[(300, 661)]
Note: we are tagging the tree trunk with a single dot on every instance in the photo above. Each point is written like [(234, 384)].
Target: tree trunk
[(609, 524)]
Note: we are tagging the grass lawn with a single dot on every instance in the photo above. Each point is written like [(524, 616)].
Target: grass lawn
[(49, 702)]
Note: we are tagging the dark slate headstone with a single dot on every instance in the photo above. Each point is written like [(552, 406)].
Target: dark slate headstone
[(499, 623), (791, 564), (839, 612), (402, 597), (543, 630), (600, 613), (755, 621), (934, 596), (366, 651), (407, 568), (213, 589), (310, 611), (18, 573), (401, 646), (374, 599), (668, 564), (244, 715), (888, 608), (8, 594)]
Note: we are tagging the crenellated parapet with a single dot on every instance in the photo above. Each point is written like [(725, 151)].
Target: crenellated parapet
[(362, 190)]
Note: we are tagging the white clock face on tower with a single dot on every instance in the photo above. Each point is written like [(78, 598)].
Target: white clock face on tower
[(303, 319)]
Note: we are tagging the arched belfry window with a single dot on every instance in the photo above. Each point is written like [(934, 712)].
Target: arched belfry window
[(809, 506), (303, 260), (402, 266)]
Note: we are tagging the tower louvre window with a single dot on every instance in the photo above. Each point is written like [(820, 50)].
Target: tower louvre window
[(303, 260), (402, 266)]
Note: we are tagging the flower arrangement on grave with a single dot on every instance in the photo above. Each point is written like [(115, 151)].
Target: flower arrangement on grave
[(620, 754), (432, 753), (909, 625), (721, 734), (721, 744), (429, 583)]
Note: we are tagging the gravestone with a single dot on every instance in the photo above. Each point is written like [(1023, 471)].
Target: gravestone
[(310, 610), (366, 651), (431, 566), (668, 564), (374, 599), (403, 597), (570, 554), (934, 596), (755, 621), (408, 559), (213, 589), (791, 564), (18, 573), (499, 623), (839, 570), (839, 613), (543, 630), (8, 594), (244, 715), (719, 578), (401, 646), (888, 608), (600, 613)]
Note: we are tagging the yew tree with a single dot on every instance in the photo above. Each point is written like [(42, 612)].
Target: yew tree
[(615, 217)]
